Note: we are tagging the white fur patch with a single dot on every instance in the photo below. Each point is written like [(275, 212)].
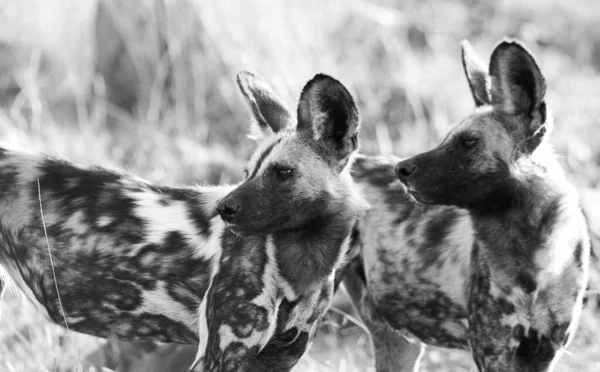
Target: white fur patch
[(155, 303), (457, 256), (7, 270), (104, 221), (202, 330), (211, 250), (161, 219), (210, 196)]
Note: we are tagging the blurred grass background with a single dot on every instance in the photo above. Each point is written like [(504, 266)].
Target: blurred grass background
[(148, 86)]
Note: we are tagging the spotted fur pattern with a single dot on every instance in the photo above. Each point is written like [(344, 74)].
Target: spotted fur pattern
[(494, 256), (138, 261)]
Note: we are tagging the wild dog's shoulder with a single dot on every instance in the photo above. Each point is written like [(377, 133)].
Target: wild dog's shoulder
[(375, 178), (375, 170)]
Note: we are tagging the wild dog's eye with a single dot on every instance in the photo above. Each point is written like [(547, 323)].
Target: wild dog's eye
[(468, 142), (283, 173)]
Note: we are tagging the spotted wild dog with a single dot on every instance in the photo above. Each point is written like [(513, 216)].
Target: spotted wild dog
[(136, 261), (494, 256)]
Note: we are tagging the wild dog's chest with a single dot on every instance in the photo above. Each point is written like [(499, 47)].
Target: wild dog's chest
[(537, 295), (250, 280), (252, 309)]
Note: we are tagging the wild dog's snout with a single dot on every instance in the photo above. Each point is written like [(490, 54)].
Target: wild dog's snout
[(405, 169), (227, 210)]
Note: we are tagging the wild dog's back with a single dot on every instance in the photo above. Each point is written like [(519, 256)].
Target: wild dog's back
[(106, 238)]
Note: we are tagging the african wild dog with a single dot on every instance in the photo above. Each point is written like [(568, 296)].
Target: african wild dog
[(137, 261), (494, 257)]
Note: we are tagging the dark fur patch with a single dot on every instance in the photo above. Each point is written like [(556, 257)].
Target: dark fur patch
[(338, 113), (8, 184), (282, 355), (355, 236), (437, 228), (560, 334), (380, 174), (526, 281), (549, 216), (374, 172), (535, 349), (321, 239), (506, 306), (578, 253)]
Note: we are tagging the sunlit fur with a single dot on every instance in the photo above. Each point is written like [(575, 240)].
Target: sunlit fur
[(503, 277), (137, 261)]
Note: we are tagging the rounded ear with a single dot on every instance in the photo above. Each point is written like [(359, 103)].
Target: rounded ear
[(476, 74), (519, 88), (270, 112), (328, 115)]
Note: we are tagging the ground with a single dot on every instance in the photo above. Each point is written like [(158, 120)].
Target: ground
[(148, 86)]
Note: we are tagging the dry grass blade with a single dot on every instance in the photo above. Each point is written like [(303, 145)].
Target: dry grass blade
[(350, 318), (62, 311)]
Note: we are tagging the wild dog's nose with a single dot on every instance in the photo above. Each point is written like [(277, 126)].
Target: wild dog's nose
[(404, 169), (227, 211)]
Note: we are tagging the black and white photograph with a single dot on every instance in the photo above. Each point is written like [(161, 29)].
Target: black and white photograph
[(299, 186)]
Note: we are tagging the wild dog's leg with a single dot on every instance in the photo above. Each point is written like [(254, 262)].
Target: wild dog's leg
[(392, 350)]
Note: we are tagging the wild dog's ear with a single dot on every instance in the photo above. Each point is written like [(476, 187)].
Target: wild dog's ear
[(476, 74), (328, 115), (518, 88), (269, 111)]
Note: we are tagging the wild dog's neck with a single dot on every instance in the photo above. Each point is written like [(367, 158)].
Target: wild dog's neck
[(530, 188), (308, 255), (520, 214)]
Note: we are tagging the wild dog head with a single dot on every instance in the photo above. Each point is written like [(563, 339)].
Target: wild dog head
[(299, 171), (472, 164)]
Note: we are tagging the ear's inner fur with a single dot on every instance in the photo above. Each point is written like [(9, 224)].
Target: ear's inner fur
[(270, 112), (328, 115), (518, 89)]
